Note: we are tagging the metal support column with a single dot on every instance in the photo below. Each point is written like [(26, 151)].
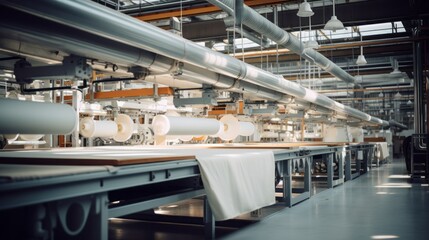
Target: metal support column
[(209, 221), (100, 226), (307, 176), (348, 165), (330, 170), (287, 182)]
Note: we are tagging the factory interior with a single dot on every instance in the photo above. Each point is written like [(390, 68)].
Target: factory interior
[(214, 119)]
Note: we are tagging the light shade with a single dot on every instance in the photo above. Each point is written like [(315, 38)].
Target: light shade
[(361, 60), (381, 94), (409, 102), (312, 44), (334, 24), (305, 10), (398, 95), (395, 72)]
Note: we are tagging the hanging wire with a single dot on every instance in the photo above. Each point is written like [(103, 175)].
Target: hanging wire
[(233, 33), (181, 18), (276, 21), (300, 56)]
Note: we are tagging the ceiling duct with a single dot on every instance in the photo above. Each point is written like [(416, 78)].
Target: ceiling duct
[(124, 29), (259, 24)]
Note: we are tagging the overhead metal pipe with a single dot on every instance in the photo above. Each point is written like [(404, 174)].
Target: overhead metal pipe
[(394, 123), (14, 25), (127, 30), (230, 26), (258, 23)]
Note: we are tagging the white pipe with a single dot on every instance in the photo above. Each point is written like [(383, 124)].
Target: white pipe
[(93, 18)]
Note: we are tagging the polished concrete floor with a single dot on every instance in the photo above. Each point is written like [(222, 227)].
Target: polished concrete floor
[(381, 204)]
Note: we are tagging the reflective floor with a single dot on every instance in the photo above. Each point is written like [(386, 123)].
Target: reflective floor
[(379, 205)]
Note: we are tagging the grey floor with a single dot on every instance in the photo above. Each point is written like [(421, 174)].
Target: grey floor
[(381, 204)]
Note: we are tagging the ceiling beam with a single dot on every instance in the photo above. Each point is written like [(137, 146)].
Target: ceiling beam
[(193, 11), (351, 14)]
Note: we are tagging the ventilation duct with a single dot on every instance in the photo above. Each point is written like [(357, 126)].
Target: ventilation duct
[(124, 29)]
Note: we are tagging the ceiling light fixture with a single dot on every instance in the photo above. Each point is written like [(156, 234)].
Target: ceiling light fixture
[(311, 43), (396, 70), (409, 102), (381, 94), (334, 24), (305, 10), (398, 95), (361, 59)]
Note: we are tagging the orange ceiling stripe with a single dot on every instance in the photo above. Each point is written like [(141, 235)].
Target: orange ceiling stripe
[(202, 10)]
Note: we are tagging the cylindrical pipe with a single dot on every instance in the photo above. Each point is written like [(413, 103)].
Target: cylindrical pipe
[(23, 118), (394, 123), (258, 23), (92, 18), (84, 44)]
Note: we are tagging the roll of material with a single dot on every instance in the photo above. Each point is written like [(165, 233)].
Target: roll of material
[(30, 137), (25, 117), (230, 128), (170, 125), (246, 129), (125, 126), (91, 128)]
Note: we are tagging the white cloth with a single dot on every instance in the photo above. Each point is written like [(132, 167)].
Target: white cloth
[(384, 152), (237, 183)]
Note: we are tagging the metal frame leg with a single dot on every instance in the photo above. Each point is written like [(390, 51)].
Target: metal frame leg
[(287, 182), (341, 166), (348, 165), (358, 162), (99, 218), (330, 170), (307, 175), (209, 221)]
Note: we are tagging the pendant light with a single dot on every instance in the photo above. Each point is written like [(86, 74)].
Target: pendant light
[(398, 95), (311, 43), (305, 10), (361, 59), (334, 24)]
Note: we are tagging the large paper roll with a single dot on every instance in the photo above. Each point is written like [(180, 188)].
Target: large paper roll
[(125, 128), (91, 128), (246, 129), (170, 125), (230, 128), (35, 117)]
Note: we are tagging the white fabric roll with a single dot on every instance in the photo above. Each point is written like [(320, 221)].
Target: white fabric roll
[(230, 128), (246, 128), (125, 128), (170, 125), (35, 118), (91, 128)]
